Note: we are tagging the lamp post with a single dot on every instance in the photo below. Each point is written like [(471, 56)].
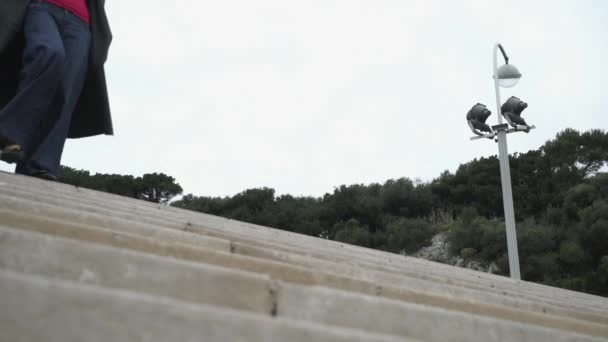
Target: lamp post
[(505, 76), (510, 77)]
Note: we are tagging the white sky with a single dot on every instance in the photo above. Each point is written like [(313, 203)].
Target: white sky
[(303, 96)]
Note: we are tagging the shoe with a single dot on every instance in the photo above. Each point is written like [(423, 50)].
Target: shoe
[(11, 154), (9, 151), (41, 174)]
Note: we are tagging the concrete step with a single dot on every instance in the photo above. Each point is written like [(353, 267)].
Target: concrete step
[(397, 318), (436, 295), (258, 231), (36, 309), (361, 252), (242, 232), (413, 283), (63, 259), (71, 260), (109, 220), (410, 271), (54, 256), (132, 211), (239, 248)]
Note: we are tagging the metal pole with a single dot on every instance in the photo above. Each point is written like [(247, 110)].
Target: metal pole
[(505, 177)]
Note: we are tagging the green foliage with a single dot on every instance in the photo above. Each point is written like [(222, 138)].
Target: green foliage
[(471, 231), (540, 178), (209, 205), (566, 247), (356, 201), (468, 216), (595, 228), (403, 198), (541, 267), (408, 235), (576, 154), (261, 206), (475, 184), (571, 253), (602, 273), (353, 233), (467, 253), (155, 187)]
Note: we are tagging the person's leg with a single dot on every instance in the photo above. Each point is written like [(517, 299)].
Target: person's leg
[(43, 65), (76, 39)]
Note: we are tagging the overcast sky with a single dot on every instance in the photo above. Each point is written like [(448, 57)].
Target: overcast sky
[(303, 96)]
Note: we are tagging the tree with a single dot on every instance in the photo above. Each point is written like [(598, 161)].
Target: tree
[(157, 188), (402, 197), (357, 202), (112, 183), (599, 279), (74, 177), (471, 231), (595, 229), (353, 233), (408, 235), (301, 215), (571, 253), (207, 205), (475, 184), (578, 154)]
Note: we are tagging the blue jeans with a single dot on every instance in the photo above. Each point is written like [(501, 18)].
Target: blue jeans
[(55, 61)]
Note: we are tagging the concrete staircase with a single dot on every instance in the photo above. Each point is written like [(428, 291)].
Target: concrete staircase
[(80, 265)]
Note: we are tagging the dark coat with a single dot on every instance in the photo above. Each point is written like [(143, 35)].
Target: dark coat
[(92, 113)]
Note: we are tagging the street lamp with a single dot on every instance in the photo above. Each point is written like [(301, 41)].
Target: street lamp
[(506, 76)]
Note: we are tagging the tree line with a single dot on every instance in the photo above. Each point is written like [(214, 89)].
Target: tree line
[(560, 195)]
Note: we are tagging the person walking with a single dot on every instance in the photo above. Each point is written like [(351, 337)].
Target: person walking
[(52, 80)]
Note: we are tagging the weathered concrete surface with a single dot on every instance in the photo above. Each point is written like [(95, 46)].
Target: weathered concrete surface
[(292, 245), (361, 253), (51, 257), (562, 307), (111, 221), (405, 281), (544, 308), (397, 318), (122, 240), (138, 210), (34, 309)]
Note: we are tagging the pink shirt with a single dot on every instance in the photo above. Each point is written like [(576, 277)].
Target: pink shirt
[(78, 7)]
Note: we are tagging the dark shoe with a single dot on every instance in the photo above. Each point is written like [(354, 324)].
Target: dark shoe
[(44, 175), (9, 151), (11, 154)]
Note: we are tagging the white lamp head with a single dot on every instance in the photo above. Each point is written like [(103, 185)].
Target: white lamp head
[(508, 76)]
